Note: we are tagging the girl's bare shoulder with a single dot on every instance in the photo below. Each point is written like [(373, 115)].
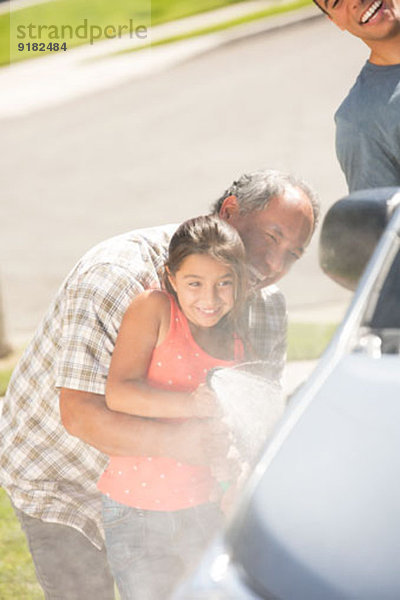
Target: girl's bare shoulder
[(151, 306), (151, 300)]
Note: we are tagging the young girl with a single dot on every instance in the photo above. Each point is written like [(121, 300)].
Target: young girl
[(156, 510)]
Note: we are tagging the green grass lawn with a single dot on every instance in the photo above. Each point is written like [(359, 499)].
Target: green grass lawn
[(63, 24), (307, 341), (51, 17)]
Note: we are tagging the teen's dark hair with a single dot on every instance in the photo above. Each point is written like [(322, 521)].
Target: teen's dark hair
[(210, 235)]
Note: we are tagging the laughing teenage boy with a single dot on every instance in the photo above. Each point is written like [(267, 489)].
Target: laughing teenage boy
[(368, 120)]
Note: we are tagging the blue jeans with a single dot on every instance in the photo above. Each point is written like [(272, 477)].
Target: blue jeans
[(149, 552)]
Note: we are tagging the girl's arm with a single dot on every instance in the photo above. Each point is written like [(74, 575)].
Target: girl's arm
[(143, 327)]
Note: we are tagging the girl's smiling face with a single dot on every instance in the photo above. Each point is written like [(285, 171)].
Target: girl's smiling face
[(205, 288)]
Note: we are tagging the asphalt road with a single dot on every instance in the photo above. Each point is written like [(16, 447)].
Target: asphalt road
[(162, 148)]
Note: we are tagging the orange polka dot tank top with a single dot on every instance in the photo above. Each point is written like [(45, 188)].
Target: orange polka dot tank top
[(162, 483)]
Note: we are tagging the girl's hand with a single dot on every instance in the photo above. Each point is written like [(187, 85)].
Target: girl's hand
[(205, 402)]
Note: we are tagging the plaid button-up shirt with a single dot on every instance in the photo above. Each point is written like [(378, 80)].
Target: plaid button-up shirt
[(48, 473)]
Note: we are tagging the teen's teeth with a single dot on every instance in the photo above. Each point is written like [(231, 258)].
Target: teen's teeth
[(371, 11)]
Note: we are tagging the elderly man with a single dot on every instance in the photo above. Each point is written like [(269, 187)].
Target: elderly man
[(368, 120), (55, 429)]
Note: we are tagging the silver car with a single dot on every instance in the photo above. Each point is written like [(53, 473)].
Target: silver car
[(319, 518)]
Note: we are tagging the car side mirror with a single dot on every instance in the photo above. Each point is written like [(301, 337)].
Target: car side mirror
[(351, 230)]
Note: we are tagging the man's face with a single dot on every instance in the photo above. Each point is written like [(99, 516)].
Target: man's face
[(370, 20), (274, 237)]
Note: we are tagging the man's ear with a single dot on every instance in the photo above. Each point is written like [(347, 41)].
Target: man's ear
[(171, 278), (229, 208)]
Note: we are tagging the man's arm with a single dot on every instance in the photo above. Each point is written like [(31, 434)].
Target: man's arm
[(85, 415)]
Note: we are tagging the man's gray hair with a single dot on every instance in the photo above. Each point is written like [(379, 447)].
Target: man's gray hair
[(254, 191)]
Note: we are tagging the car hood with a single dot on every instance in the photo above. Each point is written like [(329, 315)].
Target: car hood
[(324, 518)]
